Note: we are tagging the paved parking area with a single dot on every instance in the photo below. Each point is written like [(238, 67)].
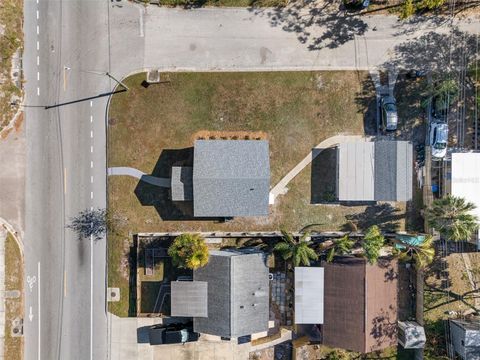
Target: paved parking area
[(129, 340)]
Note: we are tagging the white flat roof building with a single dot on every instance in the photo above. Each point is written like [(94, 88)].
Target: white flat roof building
[(309, 295), (465, 180)]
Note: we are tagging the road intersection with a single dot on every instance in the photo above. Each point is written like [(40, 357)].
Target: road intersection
[(69, 47)]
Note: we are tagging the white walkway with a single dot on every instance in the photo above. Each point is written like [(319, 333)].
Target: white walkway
[(128, 171)]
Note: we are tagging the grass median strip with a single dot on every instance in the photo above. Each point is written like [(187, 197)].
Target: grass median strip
[(13, 306)]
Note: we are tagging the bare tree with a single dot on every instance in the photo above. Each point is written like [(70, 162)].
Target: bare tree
[(90, 223)]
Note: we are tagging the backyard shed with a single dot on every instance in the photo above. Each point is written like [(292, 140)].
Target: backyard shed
[(309, 295), (189, 298), (465, 180), (360, 303), (411, 335), (231, 178), (375, 171), (465, 338), (238, 294)]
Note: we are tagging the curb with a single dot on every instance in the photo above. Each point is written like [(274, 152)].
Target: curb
[(15, 235)]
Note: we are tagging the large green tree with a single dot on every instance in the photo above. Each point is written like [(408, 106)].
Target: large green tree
[(452, 217), (298, 251), (341, 246), (189, 251), (372, 243), (422, 254)]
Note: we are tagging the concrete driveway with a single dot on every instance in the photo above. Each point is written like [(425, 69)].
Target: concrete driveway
[(129, 340)]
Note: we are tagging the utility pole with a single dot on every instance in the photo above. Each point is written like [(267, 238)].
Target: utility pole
[(118, 82)]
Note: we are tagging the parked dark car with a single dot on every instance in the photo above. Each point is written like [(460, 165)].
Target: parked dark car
[(388, 109), (177, 333), (356, 4)]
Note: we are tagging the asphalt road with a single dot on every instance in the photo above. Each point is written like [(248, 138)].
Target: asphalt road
[(65, 276), (69, 45)]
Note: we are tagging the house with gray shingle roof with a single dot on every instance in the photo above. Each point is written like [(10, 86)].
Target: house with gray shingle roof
[(229, 178), (236, 298), (375, 171)]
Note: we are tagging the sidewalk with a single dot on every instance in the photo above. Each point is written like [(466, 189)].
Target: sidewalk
[(3, 237)]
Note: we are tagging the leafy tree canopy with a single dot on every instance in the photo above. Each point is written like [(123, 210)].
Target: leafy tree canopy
[(452, 217), (298, 251), (189, 251), (372, 243)]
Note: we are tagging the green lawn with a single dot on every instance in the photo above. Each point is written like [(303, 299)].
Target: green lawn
[(11, 38), (297, 110), (148, 127)]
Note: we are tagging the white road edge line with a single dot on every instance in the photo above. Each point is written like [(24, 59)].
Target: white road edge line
[(39, 313), (91, 295), (140, 10)]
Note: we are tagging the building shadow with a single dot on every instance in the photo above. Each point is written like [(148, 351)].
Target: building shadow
[(160, 197), (132, 279), (323, 176), (366, 101)]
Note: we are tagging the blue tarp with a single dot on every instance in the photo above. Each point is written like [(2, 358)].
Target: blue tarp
[(413, 240)]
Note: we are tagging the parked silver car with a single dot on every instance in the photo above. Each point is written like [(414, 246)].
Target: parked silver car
[(388, 108), (438, 139)]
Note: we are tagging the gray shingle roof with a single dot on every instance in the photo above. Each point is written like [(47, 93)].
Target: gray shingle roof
[(231, 178), (181, 183), (238, 294), (375, 171), (189, 298)]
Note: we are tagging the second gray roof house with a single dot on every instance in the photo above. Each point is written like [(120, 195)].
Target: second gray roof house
[(238, 294), (231, 178), (375, 171)]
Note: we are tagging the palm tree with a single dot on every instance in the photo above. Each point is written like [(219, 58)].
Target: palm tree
[(189, 251), (340, 247), (452, 218), (297, 250), (422, 254), (372, 243)]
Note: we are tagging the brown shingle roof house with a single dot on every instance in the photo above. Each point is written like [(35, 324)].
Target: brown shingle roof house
[(360, 304)]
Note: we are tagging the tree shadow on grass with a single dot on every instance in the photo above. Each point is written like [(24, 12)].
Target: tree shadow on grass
[(317, 27), (385, 216)]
